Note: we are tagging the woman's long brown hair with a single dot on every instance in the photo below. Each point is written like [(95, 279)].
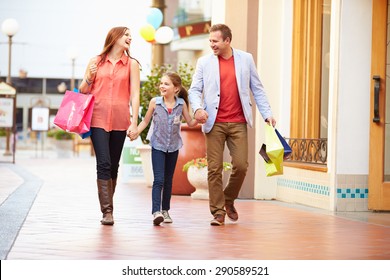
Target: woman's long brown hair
[(114, 35)]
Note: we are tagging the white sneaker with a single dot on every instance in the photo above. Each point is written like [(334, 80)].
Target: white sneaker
[(158, 218), (167, 218)]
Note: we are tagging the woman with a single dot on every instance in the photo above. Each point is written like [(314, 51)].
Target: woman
[(113, 77)]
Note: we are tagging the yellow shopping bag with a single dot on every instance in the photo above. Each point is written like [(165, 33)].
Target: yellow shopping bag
[(272, 152)]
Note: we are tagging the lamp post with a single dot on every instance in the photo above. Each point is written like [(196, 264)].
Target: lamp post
[(9, 27), (158, 49), (72, 54)]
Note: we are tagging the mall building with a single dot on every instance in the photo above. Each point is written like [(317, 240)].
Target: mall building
[(324, 66)]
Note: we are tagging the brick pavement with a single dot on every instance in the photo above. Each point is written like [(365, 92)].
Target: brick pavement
[(49, 211)]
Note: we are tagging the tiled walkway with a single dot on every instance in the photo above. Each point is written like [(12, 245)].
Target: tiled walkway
[(63, 223)]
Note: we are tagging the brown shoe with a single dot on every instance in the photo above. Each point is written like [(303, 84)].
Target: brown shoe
[(218, 220), (231, 212)]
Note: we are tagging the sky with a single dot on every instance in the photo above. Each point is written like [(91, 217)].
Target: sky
[(50, 29)]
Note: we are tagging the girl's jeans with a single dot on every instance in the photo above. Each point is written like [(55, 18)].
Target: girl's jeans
[(163, 168)]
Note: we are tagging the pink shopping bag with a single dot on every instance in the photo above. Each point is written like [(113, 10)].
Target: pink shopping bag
[(75, 112)]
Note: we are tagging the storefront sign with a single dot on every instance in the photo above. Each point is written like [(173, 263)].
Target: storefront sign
[(40, 119), (131, 167), (194, 29), (6, 112)]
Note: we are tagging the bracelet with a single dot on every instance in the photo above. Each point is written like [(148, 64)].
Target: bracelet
[(88, 83)]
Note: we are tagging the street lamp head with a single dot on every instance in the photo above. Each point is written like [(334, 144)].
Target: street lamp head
[(10, 27)]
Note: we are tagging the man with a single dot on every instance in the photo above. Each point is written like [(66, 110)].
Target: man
[(220, 97)]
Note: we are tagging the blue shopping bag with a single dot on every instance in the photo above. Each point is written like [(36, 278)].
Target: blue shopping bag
[(286, 146)]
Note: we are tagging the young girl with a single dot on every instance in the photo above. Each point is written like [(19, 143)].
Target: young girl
[(167, 111)]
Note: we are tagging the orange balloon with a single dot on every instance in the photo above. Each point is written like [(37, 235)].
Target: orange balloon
[(148, 32)]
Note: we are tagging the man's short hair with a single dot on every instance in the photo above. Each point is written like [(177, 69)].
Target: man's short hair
[(225, 30)]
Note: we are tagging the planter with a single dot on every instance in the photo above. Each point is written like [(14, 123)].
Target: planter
[(145, 152), (3, 141), (198, 179), (194, 146)]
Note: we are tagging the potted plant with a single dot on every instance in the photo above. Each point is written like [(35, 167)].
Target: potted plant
[(63, 141), (60, 134), (197, 175)]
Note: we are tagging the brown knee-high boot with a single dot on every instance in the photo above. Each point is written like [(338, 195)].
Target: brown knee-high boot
[(105, 192), (113, 186)]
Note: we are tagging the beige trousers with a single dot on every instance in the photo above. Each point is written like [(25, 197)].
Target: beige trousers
[(235, 136)]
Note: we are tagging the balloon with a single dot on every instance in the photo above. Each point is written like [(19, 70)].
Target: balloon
[(164, 35), (147, 32), (154, 17)]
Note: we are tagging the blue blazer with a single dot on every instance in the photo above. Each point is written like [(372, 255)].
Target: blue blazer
[(205, 87)]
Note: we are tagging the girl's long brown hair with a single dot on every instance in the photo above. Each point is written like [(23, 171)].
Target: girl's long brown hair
[(176, 81)]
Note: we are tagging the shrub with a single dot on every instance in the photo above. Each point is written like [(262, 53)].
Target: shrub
[(59, 134), (202, 162)]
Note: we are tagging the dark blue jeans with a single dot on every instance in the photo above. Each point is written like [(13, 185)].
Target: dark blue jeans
[(108, 149), (163, 168)]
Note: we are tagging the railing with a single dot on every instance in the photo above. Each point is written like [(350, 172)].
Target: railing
[(306, 150)]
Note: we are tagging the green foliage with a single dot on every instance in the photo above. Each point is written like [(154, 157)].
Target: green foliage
[(59, 134), (202, 162), (63, 135), (150, 88), (51, 132), (186, 72), (3, 132)]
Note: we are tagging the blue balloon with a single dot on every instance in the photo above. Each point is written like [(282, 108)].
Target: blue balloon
[(154, 17)]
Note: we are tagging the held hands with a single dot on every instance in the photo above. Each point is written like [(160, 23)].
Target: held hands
[(201, 116), (132, 132)]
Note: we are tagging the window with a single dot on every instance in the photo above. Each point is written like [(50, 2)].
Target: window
[(310, 81)]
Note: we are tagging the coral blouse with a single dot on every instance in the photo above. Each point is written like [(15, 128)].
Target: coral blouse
[(111, 89)]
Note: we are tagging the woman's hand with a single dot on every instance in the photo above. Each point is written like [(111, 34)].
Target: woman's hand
[(92, 69), (132, 132)]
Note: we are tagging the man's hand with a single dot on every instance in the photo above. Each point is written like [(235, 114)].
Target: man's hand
[(271, 121)]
